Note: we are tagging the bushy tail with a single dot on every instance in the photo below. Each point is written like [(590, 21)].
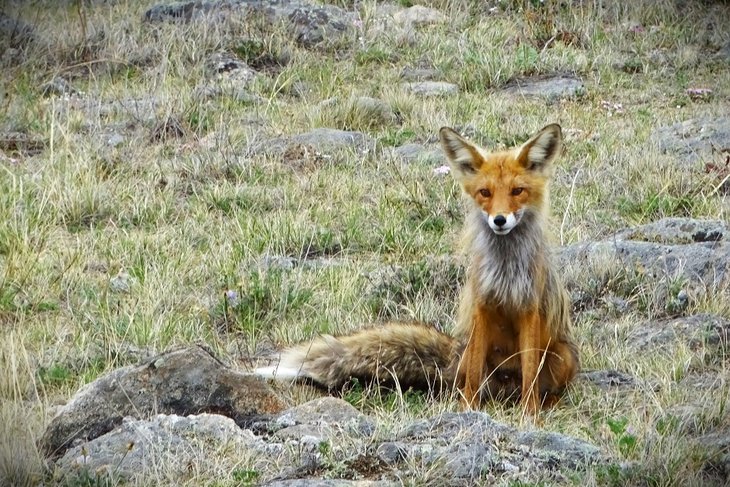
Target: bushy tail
[(397, 354)]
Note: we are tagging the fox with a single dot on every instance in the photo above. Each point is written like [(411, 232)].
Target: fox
[(512, 334)]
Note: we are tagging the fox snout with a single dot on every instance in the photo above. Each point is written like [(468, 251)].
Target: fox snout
[(503, 224)]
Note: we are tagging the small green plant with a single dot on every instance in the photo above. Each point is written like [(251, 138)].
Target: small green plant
[(625, 439), (55, 375), (526, 58), (244, 477)]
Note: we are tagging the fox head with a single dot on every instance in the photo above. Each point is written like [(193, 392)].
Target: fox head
[(506, 184)]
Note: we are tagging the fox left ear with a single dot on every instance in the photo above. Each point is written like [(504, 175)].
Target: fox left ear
[(541, 150), (464, 157)]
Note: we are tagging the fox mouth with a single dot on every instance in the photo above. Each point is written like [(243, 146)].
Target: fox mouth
[(501, 231)]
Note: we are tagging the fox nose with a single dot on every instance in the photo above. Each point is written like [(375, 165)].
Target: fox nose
[(499, 220)]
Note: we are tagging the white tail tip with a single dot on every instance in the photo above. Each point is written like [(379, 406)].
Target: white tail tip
[(278, 372)]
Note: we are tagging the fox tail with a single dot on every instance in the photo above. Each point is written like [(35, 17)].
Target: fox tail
[(402, 355)]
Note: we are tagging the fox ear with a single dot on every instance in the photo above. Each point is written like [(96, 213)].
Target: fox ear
[(541, 150), (464, 158)]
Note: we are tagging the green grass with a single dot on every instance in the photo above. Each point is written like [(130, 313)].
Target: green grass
[(106, 251)]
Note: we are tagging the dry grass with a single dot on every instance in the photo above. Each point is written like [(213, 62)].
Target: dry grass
[(109, 250)]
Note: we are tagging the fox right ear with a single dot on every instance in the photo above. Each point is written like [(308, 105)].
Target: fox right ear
[(464, 158)]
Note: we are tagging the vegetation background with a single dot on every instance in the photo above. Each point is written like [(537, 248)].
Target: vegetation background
[(141, 207)]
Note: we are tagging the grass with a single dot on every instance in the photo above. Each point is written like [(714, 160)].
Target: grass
[(107, 250)]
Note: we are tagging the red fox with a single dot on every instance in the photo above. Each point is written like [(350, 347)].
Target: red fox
[(512, 337)]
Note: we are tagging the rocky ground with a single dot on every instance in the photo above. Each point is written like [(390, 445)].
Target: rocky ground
[(188, 187)]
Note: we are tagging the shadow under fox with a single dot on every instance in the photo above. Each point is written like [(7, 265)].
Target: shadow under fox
[(512, 336)]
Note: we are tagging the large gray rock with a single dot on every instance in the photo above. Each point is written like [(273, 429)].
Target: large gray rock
[(700, 264), (183, 382), (678, 231), (694, 139), (695, 331), (549, 87), (471, 445), (139, 449), (309, 24)]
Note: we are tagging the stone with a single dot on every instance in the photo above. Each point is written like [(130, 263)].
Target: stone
[(700, 264), (471, 445), (323, 140), (431, 88), (183, 382), (551, 88), (675, 231), (696, 331), (115, 140), (419, 153), (224, 62), (137, 449), (58, 86), (607, 379), (555, 447), (695, 139), (309, 24), (420, 74), (321, 420), (418, 16)]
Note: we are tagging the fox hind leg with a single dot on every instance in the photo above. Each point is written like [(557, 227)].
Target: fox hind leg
[(559, 368)]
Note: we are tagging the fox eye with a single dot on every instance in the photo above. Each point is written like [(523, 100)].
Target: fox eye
[(517, 191), (485, 193)]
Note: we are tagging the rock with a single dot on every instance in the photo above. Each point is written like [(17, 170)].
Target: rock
[(138, 448), (186, 381), (678, 231), (228, 89), (315, 24), (322, 420), (180, 11), (606, 379), (555, 447), (310, 24), (323, 140), (58, 86), (418, 153), (418, 15), (224, 62), (15, 33), (115, 140), (330, 483), (420, 74), (431, 88), (695, 331), (471, 446), (701, 264), (695, 139), (550, 87)]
